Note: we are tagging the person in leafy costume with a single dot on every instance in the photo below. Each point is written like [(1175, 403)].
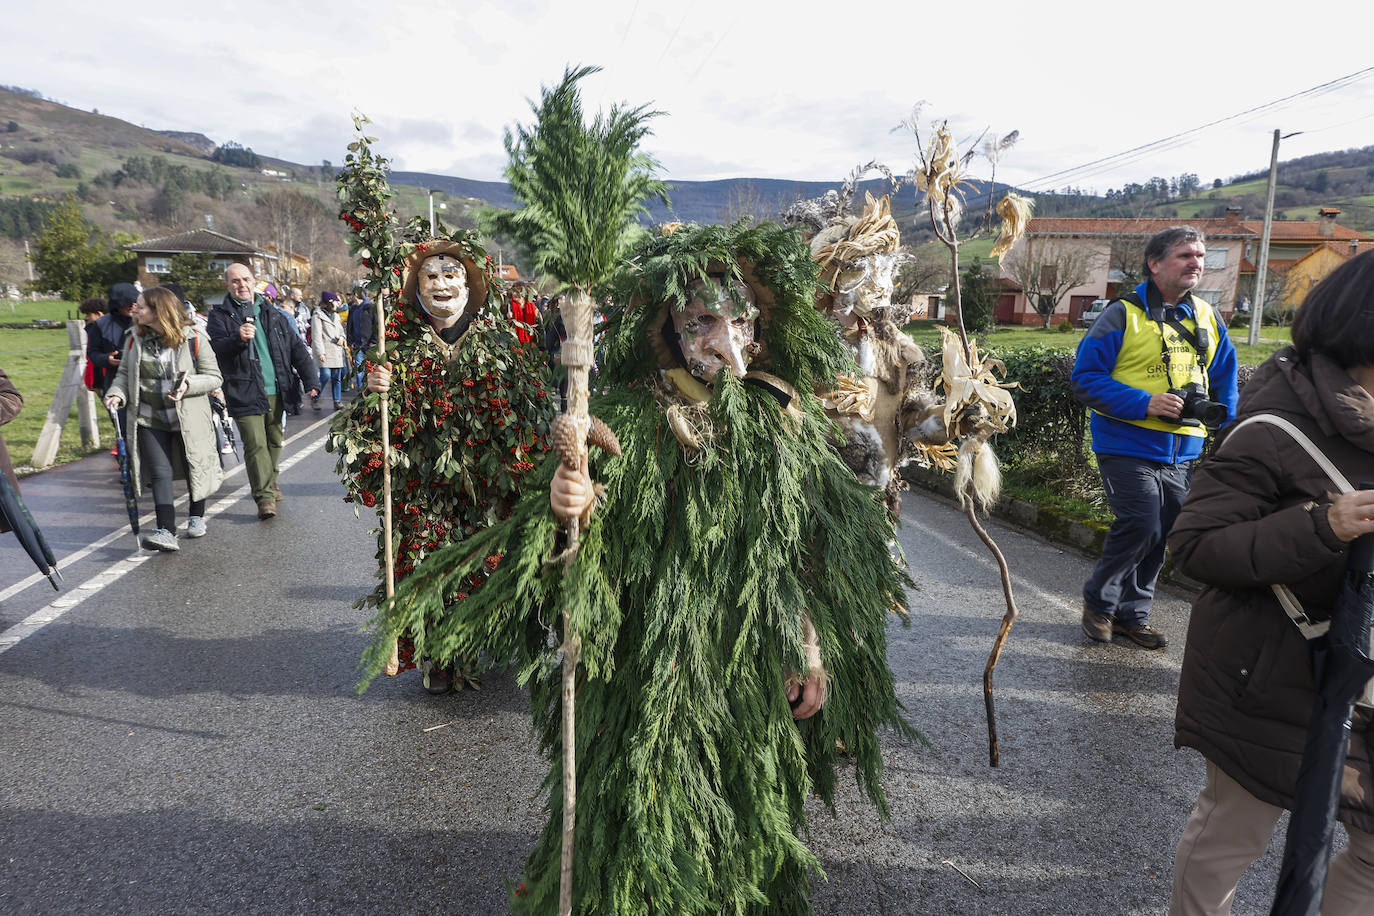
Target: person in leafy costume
[(469, 409), (735, 566)]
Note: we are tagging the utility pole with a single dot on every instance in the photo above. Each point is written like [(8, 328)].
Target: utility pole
[(432, 192), (1262, 265)]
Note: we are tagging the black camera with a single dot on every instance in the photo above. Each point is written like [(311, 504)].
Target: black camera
[(1198, 410)]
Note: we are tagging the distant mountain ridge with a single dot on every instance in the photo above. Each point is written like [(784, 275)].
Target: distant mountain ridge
[(701, 201), (48, 138)]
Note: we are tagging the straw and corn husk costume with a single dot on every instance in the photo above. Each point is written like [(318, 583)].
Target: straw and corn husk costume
[(468, 421), (887, 412), (732, 547)]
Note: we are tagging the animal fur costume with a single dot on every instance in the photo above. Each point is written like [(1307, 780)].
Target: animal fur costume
[(468, 420), (887, 412), (731, 535)]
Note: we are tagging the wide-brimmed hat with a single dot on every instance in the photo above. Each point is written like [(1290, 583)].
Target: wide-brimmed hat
[(478, 282)]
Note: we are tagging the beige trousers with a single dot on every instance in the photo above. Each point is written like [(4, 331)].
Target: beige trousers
[(1230, 828)]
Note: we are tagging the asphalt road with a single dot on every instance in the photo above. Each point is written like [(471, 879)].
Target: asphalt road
[(179, 733)]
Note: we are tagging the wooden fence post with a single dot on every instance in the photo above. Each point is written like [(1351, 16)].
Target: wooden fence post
[(70, 388)]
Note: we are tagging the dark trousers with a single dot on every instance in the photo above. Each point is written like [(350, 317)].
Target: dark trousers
[(1145, 496), (261, 435), (161, 450)]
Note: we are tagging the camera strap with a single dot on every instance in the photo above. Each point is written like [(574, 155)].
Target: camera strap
[(1199, 340)]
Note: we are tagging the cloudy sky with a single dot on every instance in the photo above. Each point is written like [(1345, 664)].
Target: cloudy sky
[(749, 88)]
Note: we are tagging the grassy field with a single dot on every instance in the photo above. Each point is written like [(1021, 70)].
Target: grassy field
[(34, 359), (1011, 337)]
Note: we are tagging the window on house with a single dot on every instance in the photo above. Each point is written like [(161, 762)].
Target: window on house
[(1216, 258), (157, 265), (1213, 296), (220, 264)]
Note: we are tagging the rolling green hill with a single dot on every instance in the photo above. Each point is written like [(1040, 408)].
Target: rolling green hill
[(145, 183)]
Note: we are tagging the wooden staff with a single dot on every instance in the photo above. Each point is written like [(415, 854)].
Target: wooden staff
[(393, 665), (577, 357)]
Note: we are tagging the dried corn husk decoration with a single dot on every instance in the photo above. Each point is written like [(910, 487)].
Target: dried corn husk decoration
[(875, 232), (941, 175), (1015, 212), (691, 426), (974, 389)]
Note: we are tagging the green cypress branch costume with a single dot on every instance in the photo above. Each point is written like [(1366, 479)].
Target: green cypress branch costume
[(690, 591)]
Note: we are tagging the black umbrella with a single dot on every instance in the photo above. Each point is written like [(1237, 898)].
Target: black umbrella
[(17, 516), (1340, 669), (125, 476), (224, 430)]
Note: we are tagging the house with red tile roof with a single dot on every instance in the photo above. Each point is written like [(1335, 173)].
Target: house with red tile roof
[(1293, 280), (1111, 252), (155, 256), (1301, 253)]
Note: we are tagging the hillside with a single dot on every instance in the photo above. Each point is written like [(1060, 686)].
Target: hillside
[(143, 183)]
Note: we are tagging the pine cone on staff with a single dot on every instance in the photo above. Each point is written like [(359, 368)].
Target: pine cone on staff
[(563, 438)]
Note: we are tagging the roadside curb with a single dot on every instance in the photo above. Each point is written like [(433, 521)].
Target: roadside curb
[(1043, 522)]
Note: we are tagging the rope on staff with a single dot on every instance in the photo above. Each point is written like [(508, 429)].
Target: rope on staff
[(393, 665), (573, 425)]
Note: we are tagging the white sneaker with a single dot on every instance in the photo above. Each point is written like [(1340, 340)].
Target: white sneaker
[(195, 527), (161, 539)]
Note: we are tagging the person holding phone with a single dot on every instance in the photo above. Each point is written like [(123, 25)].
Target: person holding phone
[(165, 377)]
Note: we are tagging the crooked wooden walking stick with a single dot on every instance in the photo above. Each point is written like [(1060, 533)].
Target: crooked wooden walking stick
[(393, 664)]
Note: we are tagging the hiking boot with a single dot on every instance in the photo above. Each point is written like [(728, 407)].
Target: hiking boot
[(1097, 627), (267, 508), (1142, 634), (195, 527), (161, 539), (315, 403), (278, 494)]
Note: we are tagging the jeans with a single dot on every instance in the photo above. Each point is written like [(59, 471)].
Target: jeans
[(261, 435), (331, 380), (359, 368), (1145, 496), (161, 450)]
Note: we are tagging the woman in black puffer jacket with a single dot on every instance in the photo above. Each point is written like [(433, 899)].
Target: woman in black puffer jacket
[(1262, 512)]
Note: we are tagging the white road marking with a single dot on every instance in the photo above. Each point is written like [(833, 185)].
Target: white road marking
[(76, 595), (980, 556)]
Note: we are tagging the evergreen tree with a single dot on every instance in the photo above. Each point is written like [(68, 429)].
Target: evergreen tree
[(74, 256), (197, 278), (980, 297)]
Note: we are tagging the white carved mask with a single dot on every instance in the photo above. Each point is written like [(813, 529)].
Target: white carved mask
[(866, 286), (717, 332), (443, 286)]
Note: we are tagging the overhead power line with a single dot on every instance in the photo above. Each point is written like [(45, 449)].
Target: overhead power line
[(1135, 154)]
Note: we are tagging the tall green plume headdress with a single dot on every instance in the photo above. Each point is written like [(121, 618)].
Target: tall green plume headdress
[(798, 345)]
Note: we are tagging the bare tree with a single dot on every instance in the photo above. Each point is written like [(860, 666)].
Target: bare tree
[(1126, 260), (13, 269), (1046, 269), (745, 202), (295, 222), (926, 271)]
